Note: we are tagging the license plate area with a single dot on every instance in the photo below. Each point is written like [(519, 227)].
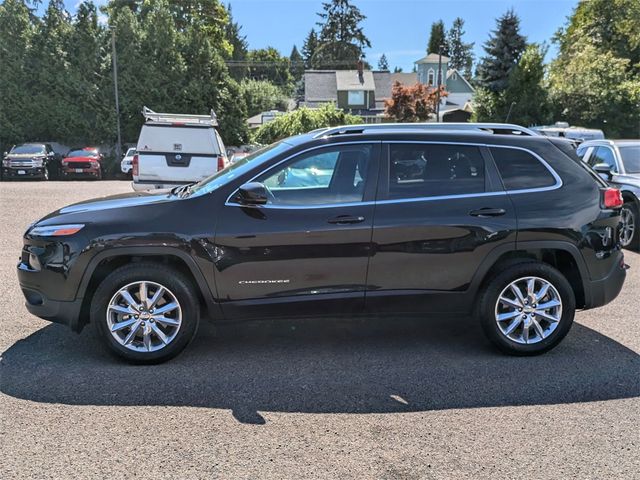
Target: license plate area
[(22, 172)]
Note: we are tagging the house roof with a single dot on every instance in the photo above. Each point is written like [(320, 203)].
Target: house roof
[(432, 58), (451, 71), (320, 85), (405, 78), (351, 80)]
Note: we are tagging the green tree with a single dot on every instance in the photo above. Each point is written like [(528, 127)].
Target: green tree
[(383, 63), (297, 64), (460, 52), (504, 48), (303, 120), (341, 40), (261, 96), (309, 47), (437, 38), (239, 47), (267, 64)]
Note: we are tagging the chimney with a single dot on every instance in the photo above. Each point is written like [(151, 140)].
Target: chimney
[(361, 71)]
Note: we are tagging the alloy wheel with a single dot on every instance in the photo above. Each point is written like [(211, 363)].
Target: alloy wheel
[(628, 227), (144, 316), (528, 310)]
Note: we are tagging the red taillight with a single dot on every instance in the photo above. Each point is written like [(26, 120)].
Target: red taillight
[(134, 165), (222, 162), (612, 198)]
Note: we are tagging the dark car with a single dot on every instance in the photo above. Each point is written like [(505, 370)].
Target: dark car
[(618, 162), (30, 160), (82, 163), (406, 221)]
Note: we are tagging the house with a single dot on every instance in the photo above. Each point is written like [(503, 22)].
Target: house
[(361, 92), (459, 89), (263, 117)]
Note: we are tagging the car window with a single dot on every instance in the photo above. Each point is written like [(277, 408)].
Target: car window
[(630, 158), (603, 155), (520, 170), (321, 177), (424, 170)]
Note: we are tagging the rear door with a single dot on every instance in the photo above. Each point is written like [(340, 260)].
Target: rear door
[(177, 154), (306, 251), (441, 210)]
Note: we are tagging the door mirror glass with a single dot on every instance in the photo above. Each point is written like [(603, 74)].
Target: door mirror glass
[(603, 170), (253, 193)]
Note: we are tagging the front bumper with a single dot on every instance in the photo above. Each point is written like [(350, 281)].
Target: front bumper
[(602, 291), (14, 172), (69, 172)]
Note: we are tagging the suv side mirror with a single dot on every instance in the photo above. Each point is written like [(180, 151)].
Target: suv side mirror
[(604, 170), (252, 193)]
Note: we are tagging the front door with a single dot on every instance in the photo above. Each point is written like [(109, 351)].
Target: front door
[(305, 251), (441, 210)]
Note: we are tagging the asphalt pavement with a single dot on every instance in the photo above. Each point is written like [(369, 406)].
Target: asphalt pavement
[(388, 398)]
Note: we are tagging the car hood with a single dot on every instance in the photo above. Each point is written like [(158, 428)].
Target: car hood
[(20, 156), (112, 202), (80, 159)]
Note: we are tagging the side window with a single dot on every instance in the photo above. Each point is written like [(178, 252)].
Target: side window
[(603, 155), (321, 177), (425, 170), (521, 170)]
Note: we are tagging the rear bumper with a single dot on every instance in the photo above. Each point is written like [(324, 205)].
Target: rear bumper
[(600, 292), (139, 186)]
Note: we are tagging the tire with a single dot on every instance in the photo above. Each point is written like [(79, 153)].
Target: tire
[(146, 346), (631, 239), (515, 342)]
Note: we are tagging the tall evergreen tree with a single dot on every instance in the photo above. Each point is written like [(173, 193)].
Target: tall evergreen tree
[(297, 64), (504, 48), (309, 47), (460, 52), (239, 47), (437, 38), (383, 63), (341, 40)]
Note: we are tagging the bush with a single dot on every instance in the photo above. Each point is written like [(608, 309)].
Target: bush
[(304, 120)]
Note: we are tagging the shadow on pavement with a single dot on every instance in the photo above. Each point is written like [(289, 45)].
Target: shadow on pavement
[(378, 366)]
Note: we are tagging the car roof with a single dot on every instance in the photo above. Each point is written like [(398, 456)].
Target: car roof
[(619, 143)]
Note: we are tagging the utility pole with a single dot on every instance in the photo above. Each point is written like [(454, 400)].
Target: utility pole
[(115, 87), (506, 120), (439, 83)]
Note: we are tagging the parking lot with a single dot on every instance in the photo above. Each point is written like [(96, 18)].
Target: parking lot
[(392, 398)]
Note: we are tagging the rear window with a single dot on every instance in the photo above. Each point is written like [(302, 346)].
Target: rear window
[(169, 139), (521, 170)]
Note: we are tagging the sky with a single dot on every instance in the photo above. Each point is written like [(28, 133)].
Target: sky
[(398, 28)]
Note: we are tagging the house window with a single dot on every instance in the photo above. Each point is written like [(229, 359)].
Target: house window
[(356, 97), (454, 76), (431, 77)]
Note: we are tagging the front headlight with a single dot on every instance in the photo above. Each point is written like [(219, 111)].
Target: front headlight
[(56, 230), (37, 162), (6, 163)]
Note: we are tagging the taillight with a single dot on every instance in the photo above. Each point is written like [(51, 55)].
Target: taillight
[(134, 165), (222, 162), (612, 198)]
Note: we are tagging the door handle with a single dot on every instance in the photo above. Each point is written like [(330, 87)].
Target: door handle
[(487, 212), (345, 220)]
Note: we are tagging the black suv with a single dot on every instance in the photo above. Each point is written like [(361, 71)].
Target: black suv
[(31, 160), (343, 221)]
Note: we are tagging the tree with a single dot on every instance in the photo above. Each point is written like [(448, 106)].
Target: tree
[(504, 48), (341, 40), (383, 64), (261, 96), (397, 69), (460, 52), (412, 103), (296, 63), (267, 64), (309, 47), (239, 47), (303, 120), (437, 39)]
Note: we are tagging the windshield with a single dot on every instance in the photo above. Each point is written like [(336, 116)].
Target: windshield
[(239, 168), (631, 158), (28, 149), (130, 152), (82, 153)]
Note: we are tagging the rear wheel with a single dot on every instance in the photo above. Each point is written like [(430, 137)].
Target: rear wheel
[(145, 313), (629, 229), (527, 309)]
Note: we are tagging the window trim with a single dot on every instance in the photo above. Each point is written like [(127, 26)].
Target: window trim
[(380, 159)]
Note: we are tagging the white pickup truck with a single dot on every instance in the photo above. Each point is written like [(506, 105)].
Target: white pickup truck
[(175, 149)]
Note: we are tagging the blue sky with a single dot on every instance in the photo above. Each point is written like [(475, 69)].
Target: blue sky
[(399, 28)]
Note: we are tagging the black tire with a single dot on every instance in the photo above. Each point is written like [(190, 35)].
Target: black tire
[(494, 287), (176, 282), (634, 244)]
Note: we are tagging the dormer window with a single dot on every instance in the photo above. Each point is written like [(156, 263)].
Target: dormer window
[(356, 97)]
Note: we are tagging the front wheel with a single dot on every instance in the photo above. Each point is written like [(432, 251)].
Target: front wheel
[(629, 234), (145, 313), (527, 309)]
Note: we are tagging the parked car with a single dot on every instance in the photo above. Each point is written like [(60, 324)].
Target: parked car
[(618, 162), (126, 165), (175, 149), (562, 129), (30, 160), (82, 163), (503, 227)]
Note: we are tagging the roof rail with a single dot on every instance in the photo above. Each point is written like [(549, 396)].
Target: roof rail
[(180, 118), (495, 128)]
